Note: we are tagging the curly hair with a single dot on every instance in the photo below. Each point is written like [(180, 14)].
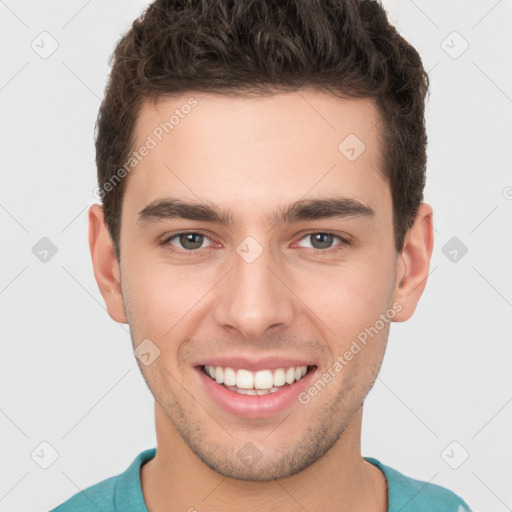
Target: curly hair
[(260, 47)]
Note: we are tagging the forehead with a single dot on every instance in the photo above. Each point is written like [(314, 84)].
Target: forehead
[(253, 153)]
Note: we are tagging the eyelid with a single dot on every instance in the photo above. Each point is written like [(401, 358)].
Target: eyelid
[(166, 241), (344, 239)]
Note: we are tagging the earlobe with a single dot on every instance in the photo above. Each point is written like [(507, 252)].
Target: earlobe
[(413, 263), (105, 264)]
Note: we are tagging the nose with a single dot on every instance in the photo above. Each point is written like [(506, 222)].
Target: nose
[(254, 297)]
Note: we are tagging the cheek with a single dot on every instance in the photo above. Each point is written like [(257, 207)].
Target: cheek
[(347, 299), (150, 298), (165, 300)]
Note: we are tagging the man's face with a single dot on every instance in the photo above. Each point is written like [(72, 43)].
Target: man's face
[(262, 292)]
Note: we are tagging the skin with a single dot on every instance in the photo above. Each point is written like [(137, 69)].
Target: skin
[(250, 156)]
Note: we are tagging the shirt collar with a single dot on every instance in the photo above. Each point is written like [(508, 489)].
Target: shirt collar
[(128, 492)]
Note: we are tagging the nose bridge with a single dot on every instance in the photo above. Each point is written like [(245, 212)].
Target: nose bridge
[(252, 298)]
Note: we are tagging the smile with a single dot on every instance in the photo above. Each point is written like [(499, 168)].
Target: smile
[(262, 382), (254, 387)]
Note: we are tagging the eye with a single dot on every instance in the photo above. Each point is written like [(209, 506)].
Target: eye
[(190, 241), (323, 242)]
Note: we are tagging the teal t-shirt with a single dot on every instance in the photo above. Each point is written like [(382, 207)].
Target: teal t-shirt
[(123, 493)]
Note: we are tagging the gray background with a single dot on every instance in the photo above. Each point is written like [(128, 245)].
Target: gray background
[(68, 376)]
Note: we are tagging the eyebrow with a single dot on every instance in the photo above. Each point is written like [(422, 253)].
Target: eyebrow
[(302, 210)]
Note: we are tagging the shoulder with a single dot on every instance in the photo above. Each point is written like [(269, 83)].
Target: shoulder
[(120, 492), (407, 494), (99, 496)]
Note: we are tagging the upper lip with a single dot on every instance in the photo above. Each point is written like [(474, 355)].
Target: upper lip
[(254, 363)]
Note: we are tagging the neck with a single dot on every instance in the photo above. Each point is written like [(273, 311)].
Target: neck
[(177, 480)]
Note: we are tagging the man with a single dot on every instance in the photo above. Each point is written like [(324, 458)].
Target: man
[(261, 167)]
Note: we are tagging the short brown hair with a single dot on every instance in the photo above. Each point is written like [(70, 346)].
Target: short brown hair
[(246, 47)]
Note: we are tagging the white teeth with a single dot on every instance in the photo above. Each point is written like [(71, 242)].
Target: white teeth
[(244, 379), (229, 376), (261, 382), (290, 376), (279, 377), (252, 391), (246, 391), (263, 379)]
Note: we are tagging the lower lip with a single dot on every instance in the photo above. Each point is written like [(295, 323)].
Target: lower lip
[(255, 406)]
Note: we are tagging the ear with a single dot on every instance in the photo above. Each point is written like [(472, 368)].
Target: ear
[(413, 263), (106, 267)]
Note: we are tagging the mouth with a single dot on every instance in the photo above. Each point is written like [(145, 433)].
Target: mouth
[(260, 392), (261, 382)]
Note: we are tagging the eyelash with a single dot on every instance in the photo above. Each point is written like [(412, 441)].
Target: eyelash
[(169, 247)]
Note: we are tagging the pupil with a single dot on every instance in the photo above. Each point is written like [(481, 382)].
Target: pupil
[(187, 240), (324, 239)]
